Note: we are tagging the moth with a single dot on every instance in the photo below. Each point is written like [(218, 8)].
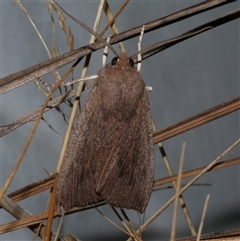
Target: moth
[(110, 154)]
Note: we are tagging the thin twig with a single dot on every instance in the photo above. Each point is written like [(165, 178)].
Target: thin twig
[(22, 77), (181, 199), (178, 185), (42, 185), (34, 26), (149, 221), (109, 220), (27, 144), (197, 120), (69, 128), (59, 228), (202, 218)]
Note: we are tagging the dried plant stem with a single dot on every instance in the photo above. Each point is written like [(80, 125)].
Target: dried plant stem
[(109, 220), (231, 235), (24, 219), (194, 172), (37, 233), (69, 135), (11, 176), (160, 135), (83, 25), (24, 222), (29, 221), (197, 120), (44, 184), (202, 218), (18, 2), (59, 227), (181, 200), (149, 221), (112, 23), (177, 196), (22, 77), (69, 128), (130, 226)]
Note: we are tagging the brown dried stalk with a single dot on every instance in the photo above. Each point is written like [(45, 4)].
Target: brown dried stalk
[(197, 120), (42, 185), (15, 80), (232, 235), (164, 134)]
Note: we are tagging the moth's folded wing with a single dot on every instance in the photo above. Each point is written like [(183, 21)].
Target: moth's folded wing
[(76, 179), (126, 176)]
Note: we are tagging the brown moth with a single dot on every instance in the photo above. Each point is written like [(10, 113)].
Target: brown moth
[(110, 154)]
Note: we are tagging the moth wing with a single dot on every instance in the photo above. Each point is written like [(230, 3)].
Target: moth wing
[(126, 178), (76, 179)]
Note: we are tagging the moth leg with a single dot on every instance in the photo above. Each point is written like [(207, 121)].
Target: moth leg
[(139, 57), (148, 88), (105, 52)]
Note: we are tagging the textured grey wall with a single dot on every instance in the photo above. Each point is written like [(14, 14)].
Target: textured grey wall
[(186, 79)]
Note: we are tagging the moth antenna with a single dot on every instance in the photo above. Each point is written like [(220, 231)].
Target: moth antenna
[(139, 56), (105, 52), (87, 28)]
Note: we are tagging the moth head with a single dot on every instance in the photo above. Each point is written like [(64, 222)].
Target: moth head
[(120, 60)]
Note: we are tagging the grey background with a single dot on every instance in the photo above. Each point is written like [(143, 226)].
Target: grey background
[(188, 78)]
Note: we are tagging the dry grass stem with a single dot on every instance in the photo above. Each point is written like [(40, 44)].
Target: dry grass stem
[(11, 176), (197, 120), (178, 185), (181, 200), (69, 128), (112, 23), (150, 220), (202, 218), (59, 228), (42, 185), (22, 77), (196, 171), (232, 235), (160, 135), (122, 221), (8, 83), (18, 2), (109, 220)]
